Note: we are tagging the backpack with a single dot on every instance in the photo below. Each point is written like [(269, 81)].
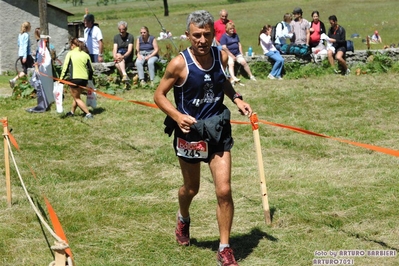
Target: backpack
[(274, 30), (349, 46), (300, 50)]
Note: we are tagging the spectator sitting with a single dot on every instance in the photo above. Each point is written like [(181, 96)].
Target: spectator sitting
[(164, 35), (270, 51), (147, 51), (316, 29), (123, 50), (300, 28), (283, 31), (220, 27), (337, 36), (376, 38), (231, 44)]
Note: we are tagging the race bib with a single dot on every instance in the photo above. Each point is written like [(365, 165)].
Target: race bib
[(192, 150)]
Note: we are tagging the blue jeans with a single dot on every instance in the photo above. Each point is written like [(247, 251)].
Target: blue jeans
[(151, 67), (278, 63), (94, 58)]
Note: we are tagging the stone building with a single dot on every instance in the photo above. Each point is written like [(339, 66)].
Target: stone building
[(14, 13)]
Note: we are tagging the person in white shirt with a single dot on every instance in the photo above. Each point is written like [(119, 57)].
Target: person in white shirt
[(270, 51), (93, 39), (283, 31), (376, 38)]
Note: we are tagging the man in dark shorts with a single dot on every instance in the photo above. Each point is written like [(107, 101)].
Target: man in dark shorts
[(202, 125), (123, 49), (337, 37)]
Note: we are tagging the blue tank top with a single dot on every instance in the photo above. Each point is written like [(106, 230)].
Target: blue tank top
[(201, 94), (146, 46)]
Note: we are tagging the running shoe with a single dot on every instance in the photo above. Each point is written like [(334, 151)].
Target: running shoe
[(12, 83), (226, 257), (69, 114), (89, 116), (182, 232)]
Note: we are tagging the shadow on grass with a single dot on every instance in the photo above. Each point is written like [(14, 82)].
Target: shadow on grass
[(95, 111), (243, 245), (365, 238)]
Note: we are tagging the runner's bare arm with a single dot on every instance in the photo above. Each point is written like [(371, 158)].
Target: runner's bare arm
[(174, 74)]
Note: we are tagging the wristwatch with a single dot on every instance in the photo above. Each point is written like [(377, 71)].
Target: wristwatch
[(100, 55), (236, 95)]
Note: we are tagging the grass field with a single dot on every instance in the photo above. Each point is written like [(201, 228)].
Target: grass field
[(113, 180), (358, 16)]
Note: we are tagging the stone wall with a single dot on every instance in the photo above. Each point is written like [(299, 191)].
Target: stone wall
[(352, 58), (359, 56)]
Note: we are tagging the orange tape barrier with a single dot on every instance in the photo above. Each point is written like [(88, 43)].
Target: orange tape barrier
[(10, 136), (57, 225), (300, 130), (358, 144), (53, 216)]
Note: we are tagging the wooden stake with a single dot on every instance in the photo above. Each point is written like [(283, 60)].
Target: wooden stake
[(7, 161), (263, 188)]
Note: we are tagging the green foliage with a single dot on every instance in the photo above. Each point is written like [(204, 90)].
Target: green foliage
[(105, 2), (107, 83), (260, 69), (23, 89)]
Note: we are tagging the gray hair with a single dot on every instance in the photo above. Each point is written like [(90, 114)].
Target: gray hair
[(122, 23), (200, 18)]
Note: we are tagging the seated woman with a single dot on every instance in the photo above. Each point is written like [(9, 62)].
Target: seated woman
[(123, 49), (231, 44), (317, 28), (270, 51), (147, 52), (283, 32)]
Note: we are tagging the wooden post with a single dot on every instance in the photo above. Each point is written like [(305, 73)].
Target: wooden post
[(43, 17), (7, 161), (59, 254), (263, 188)]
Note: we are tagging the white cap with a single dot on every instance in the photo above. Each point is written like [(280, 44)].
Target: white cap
[(45, 36), (81, 39)]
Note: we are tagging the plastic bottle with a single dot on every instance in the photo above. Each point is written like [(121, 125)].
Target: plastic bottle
[(250, 51)]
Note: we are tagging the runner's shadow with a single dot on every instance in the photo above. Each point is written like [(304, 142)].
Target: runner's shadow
[(243, 245)]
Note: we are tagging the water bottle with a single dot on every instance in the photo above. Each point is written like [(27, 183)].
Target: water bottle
[(250, 51)]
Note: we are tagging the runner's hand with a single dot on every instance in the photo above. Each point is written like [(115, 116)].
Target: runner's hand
[(185, 122)]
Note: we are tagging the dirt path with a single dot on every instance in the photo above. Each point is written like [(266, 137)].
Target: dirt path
[(5, 92)]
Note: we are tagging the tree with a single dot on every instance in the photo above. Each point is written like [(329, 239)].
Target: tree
[(43, 16), (165, 8)]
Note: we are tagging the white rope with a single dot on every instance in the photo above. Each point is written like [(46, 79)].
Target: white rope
[(28, 196)]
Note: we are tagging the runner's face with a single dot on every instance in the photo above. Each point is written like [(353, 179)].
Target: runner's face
[(200, 38)]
